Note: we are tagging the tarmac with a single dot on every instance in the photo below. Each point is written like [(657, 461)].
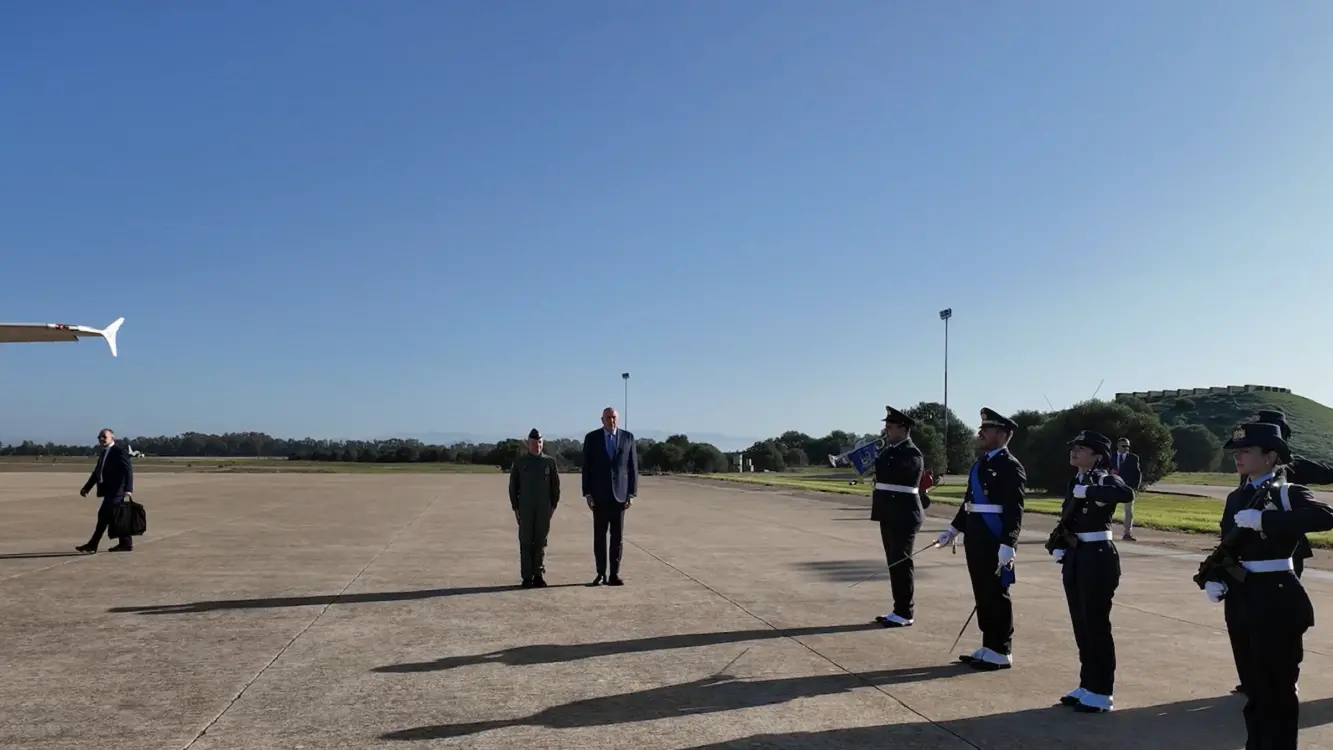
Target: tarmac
[(305, 611)]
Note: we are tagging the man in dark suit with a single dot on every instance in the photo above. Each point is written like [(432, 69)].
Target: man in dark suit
[(610, 482), (1126, 466), (114, 478)]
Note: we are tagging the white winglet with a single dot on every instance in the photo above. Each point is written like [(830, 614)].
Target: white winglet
[(109, 333)]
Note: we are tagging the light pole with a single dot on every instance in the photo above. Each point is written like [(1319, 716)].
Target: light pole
[(945, 314), (625, 376)]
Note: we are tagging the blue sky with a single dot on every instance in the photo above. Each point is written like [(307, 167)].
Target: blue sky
[(356, 219)]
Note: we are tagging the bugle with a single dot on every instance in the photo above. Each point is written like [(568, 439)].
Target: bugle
[(861, 457)]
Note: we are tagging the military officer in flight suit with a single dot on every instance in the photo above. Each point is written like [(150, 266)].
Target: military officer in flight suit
[(896, 505), (992, 517), (534, 491)]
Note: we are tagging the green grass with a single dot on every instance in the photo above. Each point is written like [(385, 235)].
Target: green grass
[(1311, 422), (240, 466), (1197, 515), (1215, 479)]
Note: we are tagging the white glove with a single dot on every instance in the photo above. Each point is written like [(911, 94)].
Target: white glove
[(1080, 491), (1058, 554), (1250, 519), (1006, 554), (947, 536), (1215, 590)]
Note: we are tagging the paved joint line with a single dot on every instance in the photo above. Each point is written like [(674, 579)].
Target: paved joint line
[(841, 668), (310, 624)]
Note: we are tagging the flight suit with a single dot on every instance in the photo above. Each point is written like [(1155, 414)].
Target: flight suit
[(534, 493)]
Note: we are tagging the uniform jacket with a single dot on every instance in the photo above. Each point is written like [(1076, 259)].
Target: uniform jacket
[(534, 482), (1274, 600), (116, 473), (1304, 471), (901, 464), (613, 477), (1128, 469), (1093, 511), (1004, 483)]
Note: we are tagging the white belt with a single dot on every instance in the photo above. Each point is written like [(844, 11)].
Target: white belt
[(895, 488), (980, 508), (1267, 566), (1094, 536)]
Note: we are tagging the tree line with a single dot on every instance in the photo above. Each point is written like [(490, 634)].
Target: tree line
[(1039, 443)]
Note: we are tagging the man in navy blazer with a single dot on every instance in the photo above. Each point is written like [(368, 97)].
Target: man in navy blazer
[(610, 482)]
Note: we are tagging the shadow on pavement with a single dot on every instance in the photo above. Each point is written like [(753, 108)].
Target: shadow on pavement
[(1207, 724), (560, 653), (38, 555), (312, 601), (705, 696)]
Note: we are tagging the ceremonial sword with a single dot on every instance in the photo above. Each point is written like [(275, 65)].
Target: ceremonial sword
[(905, 559)]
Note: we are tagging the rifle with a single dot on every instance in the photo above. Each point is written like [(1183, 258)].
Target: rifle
[(1061, 537), (1223, 558)]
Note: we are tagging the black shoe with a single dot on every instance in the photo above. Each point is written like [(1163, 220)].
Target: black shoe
[(527, 583), (1239, 689), (539, 583), (599, 580), (615, 581), (121, 548), (86, 549)]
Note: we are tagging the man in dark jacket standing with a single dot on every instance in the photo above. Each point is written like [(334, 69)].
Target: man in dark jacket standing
[(1125, 465), (610, 482), (113, 476), (534, 491)]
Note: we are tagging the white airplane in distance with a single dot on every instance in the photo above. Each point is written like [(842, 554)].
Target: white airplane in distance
[(15, 333)]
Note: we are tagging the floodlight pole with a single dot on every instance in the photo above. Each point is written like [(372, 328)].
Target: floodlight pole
[(625, 376), (945, 314)]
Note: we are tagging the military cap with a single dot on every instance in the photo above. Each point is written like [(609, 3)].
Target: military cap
[(1262, 434), (1094, 440), (893, 416), (534, 434), (992, 418), (1268, 416)]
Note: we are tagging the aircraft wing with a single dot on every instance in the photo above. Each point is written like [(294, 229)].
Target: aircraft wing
[(13, 333)]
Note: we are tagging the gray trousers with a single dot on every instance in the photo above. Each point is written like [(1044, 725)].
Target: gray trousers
[(1129, 516)]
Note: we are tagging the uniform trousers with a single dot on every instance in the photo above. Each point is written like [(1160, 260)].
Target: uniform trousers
[(534, 524), (1091, 575), (1269, 662), (995, 611), (898, 534)]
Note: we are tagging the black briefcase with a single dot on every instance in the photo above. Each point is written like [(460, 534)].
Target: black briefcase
[(128, 518)]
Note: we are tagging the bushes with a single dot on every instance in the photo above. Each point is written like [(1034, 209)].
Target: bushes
[(1197, 448), (1045, 454)]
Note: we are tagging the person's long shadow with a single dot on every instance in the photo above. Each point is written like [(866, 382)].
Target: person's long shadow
[(554, 653), (322, 599), (1207, 724), (38, 555), (704, 696)]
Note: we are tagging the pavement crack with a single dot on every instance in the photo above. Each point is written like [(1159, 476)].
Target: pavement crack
[(310, 624)]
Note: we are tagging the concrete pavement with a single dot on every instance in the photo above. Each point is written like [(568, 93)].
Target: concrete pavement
[(337, 611)]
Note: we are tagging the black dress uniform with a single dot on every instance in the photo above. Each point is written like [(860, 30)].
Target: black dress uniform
[(1298, 471), (1268, 613), (990, 521), (896, 505), (1082, 544)]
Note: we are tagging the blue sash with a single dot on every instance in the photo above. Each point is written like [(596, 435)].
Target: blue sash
[(992, 521)]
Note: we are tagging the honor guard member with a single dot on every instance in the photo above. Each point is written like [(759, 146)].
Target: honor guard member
[(1266, 608), (1298, 471), (534, 491), (1081, 544), (992, 517), (896, 505)]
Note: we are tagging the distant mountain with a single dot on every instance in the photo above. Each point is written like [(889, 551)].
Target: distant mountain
[(722, 442)]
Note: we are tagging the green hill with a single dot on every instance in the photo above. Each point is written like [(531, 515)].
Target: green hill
[(1311, 422)]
